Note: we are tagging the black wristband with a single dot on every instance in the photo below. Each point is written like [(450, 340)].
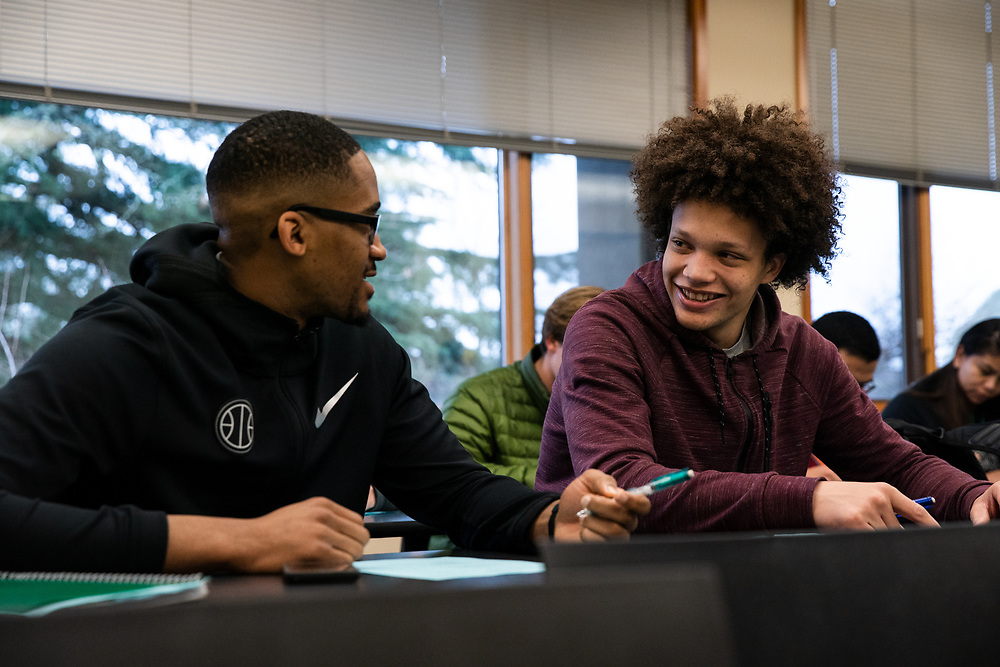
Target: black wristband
[(552, 521)]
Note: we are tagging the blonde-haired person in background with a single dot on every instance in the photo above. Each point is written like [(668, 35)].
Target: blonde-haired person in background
[(498, 415)]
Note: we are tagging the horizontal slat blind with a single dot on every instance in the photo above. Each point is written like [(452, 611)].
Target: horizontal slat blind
[(552, 71), (902, 88), (499, 67), (22, 41), (622, 67), (384, 61), (259, 54)]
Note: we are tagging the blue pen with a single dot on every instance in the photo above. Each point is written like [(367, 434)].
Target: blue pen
[(924, 502), (658, 484)]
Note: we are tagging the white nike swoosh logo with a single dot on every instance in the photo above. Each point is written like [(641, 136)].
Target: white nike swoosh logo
[(321, 414)]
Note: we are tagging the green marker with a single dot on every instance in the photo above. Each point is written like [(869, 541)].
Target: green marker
[(664, 482), (658, 484)]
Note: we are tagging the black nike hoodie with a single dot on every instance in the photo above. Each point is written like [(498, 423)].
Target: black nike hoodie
[(177, 394)]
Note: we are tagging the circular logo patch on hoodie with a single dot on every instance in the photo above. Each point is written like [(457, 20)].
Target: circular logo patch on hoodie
[(234, 426)]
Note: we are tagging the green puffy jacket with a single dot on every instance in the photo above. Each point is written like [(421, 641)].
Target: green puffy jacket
[(498, 417)]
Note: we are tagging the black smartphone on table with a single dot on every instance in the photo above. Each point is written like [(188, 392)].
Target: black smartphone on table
[(312, 572)]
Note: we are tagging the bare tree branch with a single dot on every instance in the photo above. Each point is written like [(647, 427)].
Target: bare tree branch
[(20, 309), (9, 354), (3, 295)]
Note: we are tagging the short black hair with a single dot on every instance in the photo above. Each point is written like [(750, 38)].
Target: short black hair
[(850, 332), (763, 163), (276, 148)]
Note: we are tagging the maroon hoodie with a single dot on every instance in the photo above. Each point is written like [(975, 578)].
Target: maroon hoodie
[(638, 396)]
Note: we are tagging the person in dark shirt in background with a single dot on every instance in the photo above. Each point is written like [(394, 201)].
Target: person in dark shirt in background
[(963, 392), (856, 342), (858, 346)]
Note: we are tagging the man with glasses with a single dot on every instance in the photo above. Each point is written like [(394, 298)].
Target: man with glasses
[(229, 409), (333, 215), (857, 343)]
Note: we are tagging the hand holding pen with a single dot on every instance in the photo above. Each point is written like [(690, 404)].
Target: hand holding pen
[(865, 506), (925, 502), (614, 513), (657, 485)]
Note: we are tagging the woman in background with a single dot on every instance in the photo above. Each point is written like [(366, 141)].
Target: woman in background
[(966, 391)]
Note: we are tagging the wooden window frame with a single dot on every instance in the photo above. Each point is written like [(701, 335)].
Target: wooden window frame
[(517, 262)]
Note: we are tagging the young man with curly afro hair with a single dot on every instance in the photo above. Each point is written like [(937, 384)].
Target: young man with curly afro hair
[(693, 364)]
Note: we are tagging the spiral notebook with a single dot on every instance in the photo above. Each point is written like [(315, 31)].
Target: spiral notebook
[(40, 593)]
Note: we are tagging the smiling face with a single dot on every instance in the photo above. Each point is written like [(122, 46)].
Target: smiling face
[(713, 263), (340, 257), (978, 375)]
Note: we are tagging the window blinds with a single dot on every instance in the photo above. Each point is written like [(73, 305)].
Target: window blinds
[(906, 88), (542, 75)]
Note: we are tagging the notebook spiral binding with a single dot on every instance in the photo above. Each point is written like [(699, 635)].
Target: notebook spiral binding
[(101, 577)]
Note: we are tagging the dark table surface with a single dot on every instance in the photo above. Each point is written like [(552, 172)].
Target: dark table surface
[(914, 597), (512, 619)]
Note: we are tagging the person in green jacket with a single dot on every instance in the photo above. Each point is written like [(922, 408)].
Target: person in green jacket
[(498, 415)]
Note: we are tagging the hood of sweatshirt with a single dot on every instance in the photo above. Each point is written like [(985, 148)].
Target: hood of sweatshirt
[(647, 292), (181, 264)]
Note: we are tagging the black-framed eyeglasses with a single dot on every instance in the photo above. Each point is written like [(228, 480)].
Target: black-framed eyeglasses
[(333, 215), (867, 386)]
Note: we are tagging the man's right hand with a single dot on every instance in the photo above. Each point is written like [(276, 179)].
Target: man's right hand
[(864, 506), (316, 529)]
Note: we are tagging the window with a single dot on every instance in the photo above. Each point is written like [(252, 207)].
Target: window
[(965, 235), (83, 188), (584, 227), (865, 276), (438, 290)]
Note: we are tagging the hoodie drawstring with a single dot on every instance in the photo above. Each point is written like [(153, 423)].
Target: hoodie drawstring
[(718, 398), (765, 399)]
